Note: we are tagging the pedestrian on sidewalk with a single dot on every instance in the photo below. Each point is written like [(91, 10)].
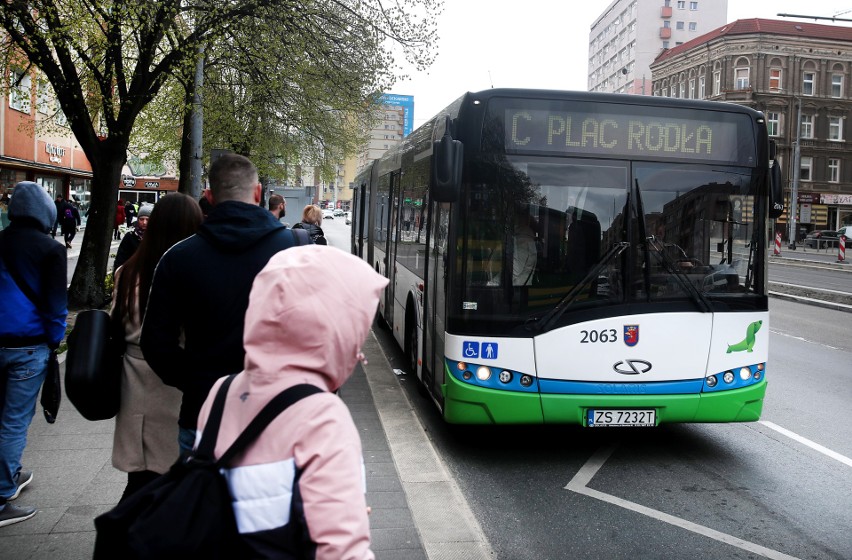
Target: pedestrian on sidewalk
[(69, 218), (308, 462), (33, 278), (278, 206), (193, 329), (132, 238), (119, 220), (146, 429), (129, 213), (58, 203)]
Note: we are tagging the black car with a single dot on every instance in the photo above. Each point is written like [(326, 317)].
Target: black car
[(821, 239)]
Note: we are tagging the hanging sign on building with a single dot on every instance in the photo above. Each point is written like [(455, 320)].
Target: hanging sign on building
[(55, 152)]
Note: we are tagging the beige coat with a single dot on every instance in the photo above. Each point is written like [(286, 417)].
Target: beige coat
[(146, 427)]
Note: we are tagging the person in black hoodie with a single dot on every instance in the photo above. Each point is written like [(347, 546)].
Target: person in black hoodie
[(33, 277), (193, 329), (133, 238)]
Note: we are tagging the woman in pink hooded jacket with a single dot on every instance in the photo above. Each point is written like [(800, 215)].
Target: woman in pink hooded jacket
[(299, 490)]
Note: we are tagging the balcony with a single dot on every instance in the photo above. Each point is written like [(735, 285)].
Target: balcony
[(665, 33), (666, 12)]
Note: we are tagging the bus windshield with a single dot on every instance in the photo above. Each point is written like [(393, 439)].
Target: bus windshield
[(536, 227)]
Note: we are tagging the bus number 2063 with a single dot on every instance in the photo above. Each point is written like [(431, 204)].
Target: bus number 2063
[(605, 335)]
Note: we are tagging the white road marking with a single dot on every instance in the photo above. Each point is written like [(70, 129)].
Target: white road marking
[(812, 444), (799, 338), (593, 465)]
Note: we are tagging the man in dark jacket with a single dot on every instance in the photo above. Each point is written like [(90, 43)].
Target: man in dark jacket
[(131, 240), (69, 219), (33, 276), (201, 288)]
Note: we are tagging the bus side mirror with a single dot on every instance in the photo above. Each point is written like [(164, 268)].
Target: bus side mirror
[(447, 156), (776, 193)]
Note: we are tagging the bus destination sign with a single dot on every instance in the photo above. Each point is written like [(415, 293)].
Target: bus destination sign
[(621, 135)]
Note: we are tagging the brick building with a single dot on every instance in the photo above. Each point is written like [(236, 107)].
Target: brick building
[(775, 66)]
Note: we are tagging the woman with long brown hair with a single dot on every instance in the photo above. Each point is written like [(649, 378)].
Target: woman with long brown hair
[(146, 428)]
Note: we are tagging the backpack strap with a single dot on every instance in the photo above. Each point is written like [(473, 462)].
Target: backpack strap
[(211, 430), (269, 412)]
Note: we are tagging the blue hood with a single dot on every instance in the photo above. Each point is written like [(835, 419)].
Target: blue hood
[(31, 201), (234, 226)]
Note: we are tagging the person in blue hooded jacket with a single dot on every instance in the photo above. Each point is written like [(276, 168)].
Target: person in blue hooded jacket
[(33, 279)]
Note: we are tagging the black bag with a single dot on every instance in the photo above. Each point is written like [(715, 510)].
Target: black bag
[(187, 512), (51, 390), (93, 365)]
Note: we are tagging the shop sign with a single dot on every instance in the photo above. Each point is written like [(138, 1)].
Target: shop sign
[(129, 182), (808, 198), (836, 199), (152, 184), (55, 152)]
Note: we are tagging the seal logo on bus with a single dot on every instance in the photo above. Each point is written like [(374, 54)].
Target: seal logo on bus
[(631, 367), (631, 335)]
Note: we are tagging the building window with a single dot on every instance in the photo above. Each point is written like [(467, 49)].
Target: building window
[(837, 85), (693, 26), (681, 4), (835, 128), (679, 25), (808, 79), (673, 91), (833, 170), (692, 88), (807, 126), (774, 79), (717, 82), (665, 44), (807, 163), (667, 24), (21, 90), (702, 90), (682, 91), (773, 123), (741, 75), (693, 6)]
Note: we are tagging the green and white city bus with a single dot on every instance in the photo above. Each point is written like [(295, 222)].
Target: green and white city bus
[(581, 258)]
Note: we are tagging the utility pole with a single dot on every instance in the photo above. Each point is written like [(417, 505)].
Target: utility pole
[(797, 168), (195, 168)]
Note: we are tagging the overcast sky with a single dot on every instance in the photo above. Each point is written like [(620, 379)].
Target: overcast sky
[(540, 44)]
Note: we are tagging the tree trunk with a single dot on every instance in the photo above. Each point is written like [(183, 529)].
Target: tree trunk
[(87, 284), (185, 163)]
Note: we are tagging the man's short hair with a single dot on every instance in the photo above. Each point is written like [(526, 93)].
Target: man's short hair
[(275, 200), (232, 177)]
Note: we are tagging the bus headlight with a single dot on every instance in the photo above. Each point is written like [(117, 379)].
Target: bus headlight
[(728, 377), (505, 376), (526, 380), (483, 373), (745, 374), (711, 381), (467, 375)]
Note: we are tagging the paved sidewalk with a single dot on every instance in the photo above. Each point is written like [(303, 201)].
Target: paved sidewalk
[(74, 482)]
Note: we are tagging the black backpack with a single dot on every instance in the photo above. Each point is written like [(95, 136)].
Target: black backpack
[(187, 512)]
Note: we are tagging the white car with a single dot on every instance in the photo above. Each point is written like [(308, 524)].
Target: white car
[(327, 215)]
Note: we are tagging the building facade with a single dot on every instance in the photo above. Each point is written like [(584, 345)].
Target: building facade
[(629, 34), (779, 68), (37, 145)]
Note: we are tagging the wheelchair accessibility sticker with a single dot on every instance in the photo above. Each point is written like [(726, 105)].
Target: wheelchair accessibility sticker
[(483, 351)]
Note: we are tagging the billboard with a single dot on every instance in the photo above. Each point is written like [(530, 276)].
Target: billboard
[(407, 104)]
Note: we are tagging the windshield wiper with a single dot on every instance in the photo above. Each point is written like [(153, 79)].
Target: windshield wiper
[(553, 315), (699, 298)]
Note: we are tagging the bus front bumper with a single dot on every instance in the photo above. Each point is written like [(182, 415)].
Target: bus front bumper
[(468, 404)]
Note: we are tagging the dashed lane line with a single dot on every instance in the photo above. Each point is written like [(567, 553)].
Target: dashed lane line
[(580, 481)]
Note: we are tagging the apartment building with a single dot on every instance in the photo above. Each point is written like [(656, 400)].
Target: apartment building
[(779, 67), (629, 34)]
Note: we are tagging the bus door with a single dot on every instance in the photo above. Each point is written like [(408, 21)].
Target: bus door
[(435, 312), (394, 206)]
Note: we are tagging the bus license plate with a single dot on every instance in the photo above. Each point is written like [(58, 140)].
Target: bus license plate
[(620, 418)]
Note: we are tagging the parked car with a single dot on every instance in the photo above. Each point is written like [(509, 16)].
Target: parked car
[(821, 239), (847, 231), (348, 218), (327, 214), (338, 212)]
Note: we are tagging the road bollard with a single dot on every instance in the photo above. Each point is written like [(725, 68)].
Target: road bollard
[(841, 249), (777, 251)]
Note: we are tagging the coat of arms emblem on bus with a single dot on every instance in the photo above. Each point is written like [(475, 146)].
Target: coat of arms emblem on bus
[(631, 335), (747, 343)]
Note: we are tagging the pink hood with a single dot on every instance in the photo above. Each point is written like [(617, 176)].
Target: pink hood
[(310, 309)]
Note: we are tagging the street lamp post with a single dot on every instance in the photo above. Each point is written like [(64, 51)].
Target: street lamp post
[(794, 195)]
